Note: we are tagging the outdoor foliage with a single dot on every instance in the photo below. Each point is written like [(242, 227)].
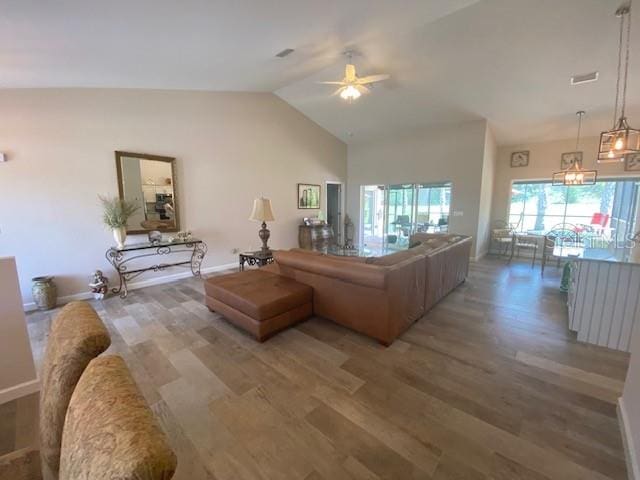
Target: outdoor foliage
[(559, 204)]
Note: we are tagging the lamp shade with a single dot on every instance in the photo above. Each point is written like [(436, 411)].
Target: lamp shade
[(262, 210)]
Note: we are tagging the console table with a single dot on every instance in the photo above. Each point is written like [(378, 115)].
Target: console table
[(120, 258)]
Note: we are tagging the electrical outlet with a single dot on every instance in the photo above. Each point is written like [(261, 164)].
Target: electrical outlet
[(458, 213)]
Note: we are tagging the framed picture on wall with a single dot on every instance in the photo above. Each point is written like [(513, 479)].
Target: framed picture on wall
[(520, 159), (308, 196), (569, 159), (632, 162)]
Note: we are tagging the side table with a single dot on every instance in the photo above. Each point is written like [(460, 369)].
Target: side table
[(258, 258)]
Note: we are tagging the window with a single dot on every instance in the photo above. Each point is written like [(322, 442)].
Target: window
[(606, 209), (391, 213)]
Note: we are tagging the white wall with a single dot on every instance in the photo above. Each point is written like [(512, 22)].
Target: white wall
[(486, 193), (630, 407), (544, 159), (230, 148), (452, 153), (17, 369)]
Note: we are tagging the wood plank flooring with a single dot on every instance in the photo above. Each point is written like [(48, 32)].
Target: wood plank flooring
[(488, 385)]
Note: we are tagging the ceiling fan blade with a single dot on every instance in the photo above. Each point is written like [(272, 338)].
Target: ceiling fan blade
[(338, 91), (374, 78), (331, 83), (350, 73), (362, 88)]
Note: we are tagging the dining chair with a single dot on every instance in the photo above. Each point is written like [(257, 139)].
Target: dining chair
[(503, 238), (549, 244), (526, 242)]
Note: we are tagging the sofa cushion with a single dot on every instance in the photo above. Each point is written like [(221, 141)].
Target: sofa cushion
[(307, 251), (110, 432), (447, 238), (357, 272), (315, 253), (77, 336), (393, 258), (257, 293)]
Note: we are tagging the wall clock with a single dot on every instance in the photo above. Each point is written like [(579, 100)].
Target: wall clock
[(569, 159), (632, 162), (520, 159)]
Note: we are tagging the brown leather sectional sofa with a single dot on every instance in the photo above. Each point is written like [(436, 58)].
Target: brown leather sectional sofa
[(380, 296)]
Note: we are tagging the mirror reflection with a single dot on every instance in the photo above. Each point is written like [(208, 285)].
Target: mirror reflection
[(149, 182)]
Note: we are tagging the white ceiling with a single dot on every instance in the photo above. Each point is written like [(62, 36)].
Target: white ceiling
[(505, 60), (190, 44), (451, 60)]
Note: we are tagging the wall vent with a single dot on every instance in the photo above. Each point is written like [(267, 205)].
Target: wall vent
[(586, 78), (285, 52)]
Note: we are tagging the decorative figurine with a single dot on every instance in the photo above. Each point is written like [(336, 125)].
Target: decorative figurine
[(183, 235), (154, 236), (100, 285)]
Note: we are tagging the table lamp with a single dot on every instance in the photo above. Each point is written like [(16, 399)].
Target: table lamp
[(262, 213)]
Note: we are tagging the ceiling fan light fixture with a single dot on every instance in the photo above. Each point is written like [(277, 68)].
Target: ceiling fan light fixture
[(350, 93), (352, 87)]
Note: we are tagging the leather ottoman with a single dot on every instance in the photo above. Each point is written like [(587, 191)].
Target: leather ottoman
[(258, 301)]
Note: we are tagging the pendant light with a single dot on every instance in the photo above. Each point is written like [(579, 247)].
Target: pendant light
[(621, 140), (575, 175)]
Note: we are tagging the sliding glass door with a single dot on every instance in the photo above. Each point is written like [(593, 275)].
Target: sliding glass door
[(390, 214), (372, 215), (432, 208), (400, 214)]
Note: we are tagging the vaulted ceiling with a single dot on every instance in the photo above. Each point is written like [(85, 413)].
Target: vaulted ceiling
[(451, 61)]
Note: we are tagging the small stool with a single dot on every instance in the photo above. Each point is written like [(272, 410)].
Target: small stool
[(259, 302)]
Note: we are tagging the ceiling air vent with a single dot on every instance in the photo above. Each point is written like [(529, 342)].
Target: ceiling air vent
[(586, 78), (284, 53)]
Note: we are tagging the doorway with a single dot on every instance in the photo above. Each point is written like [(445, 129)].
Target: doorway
[(334, 209), (390, 214)]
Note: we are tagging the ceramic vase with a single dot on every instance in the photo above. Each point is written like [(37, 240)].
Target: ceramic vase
[(120, 235), (45, 293)]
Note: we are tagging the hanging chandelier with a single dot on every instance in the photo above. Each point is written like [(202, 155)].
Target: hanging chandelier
[(575, 175), (621, 140)]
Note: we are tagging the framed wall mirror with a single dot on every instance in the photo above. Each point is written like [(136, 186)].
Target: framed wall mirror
[(149, 181)]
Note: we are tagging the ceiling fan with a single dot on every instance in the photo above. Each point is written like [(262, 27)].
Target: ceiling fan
[(352, 86)]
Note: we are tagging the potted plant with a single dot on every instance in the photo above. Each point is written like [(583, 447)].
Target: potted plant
[(115, 215)]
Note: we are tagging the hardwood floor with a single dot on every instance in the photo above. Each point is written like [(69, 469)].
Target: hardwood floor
[(488, 385)]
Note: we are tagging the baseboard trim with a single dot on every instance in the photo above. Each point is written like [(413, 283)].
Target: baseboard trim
[(19, 391), (30, 306), (633, 468)]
